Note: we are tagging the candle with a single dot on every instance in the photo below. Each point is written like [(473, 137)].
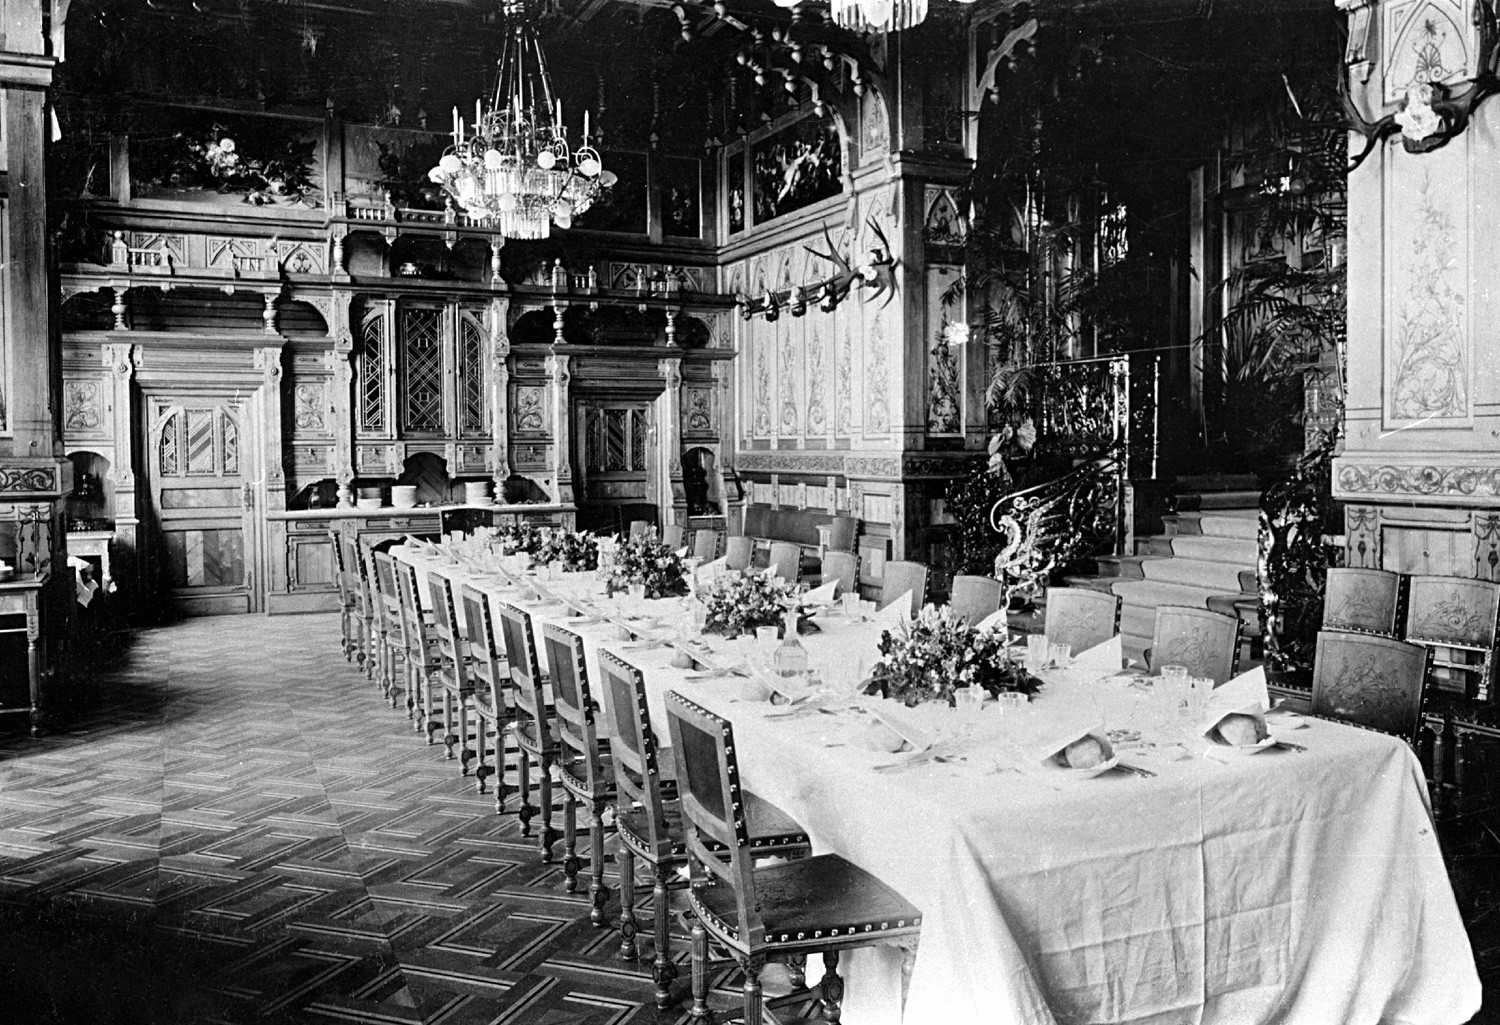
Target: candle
[(478, 115), (455, 127), (585, 126), (559, 113)]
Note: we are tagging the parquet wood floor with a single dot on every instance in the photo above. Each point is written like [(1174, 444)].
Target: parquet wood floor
[(234, 827)]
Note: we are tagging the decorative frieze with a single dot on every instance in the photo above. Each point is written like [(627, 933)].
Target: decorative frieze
[(1427, 481)]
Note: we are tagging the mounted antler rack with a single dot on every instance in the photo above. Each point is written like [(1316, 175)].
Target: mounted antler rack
[(876, 274)]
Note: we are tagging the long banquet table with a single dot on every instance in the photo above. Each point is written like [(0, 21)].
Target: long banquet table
[(1291, 886)]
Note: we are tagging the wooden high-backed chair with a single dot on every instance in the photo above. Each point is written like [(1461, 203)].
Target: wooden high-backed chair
[(364, 604), (1362, 600), (738, 552), (974, 597), (1374, 682), (1207, 643), (379, 665), (584, 767), (901, 577), (765, 912), (671, 536), (535, 733), (392, 625), (706, 544), (786, 560), (424, 660), (1081, 617), (843, 567), (494, 693), (1457, 617), (348, 604), (458, 688), (650, 820)]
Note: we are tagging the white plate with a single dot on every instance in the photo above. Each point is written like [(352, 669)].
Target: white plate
[(1244, 750)]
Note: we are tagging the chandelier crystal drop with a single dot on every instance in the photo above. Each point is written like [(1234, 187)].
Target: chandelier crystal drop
[(513, 169)]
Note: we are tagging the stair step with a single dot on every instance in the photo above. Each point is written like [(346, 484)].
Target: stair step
[(1217, 500), (1217, 482), (1151, 593), (1120, 565), (1230, 523), (1250, 581), (1234, 551), (1093, 583), (1216, 577), (1156, 544)]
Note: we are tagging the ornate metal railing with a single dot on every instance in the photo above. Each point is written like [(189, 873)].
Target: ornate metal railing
[(1049, 525), (1082, 407)]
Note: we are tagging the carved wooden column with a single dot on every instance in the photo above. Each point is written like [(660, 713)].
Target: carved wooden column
[(342, 333), (272, 533), (562, 413), (121, 361), (500, 387), (671, 495)]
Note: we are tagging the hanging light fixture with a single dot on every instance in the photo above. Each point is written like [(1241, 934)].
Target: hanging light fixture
[(878, 15), (513, 168)]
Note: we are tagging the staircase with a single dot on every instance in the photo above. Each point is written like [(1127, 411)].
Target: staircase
[(1206, 558)]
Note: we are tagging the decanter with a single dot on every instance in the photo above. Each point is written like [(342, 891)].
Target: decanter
[(791, 657)]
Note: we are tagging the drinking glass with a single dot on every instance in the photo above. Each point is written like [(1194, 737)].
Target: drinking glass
[(1060, 654), (1174, 672), (638, 592), (850, 600), (1036, 652), (1012, 702), (767, 639), (969, 700), (1199, 688)]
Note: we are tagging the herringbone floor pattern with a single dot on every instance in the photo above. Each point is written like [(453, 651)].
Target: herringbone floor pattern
[(238, 829)]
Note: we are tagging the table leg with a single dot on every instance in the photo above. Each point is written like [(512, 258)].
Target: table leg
[(34, 667)]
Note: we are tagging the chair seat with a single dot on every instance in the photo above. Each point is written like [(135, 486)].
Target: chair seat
[(579, 786), (771, 829), (808, 902), (526, 737)]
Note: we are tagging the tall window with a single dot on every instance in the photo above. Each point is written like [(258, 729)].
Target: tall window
[(421, 371)]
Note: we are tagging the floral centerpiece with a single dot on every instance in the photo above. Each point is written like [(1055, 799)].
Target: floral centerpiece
[(739, 602), (519, 538), (647, 561), (577, 550), (939, 652)]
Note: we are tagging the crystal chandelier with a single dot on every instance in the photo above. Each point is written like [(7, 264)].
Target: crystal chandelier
[(513, 169)]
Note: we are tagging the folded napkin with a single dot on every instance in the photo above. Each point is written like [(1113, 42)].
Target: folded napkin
[(900, 723), (682, 552), (1245, 689), (1103, 658), (770, 688), (1243, 727), (896, 613), (994, 621), (822, 595), (709, 570), (1076, 744)]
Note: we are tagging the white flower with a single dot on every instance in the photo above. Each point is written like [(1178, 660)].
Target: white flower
[(955, 334)]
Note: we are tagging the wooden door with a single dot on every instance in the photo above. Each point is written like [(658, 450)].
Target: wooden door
[(612, 441), (203, 503)]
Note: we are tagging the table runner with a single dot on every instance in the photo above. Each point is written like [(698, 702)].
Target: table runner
[(1289, 887)]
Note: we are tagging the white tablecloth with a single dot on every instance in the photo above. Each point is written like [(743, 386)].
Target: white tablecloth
[(1287, 887)]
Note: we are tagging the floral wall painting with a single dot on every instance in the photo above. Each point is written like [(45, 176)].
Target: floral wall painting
[(795, 167), (944, 410), (735, 191), (681, 202), (1428, 349), (227, 159), (1427, 42), (394, 161)]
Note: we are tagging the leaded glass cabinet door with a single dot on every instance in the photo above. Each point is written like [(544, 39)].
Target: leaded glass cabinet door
[(199, 450)]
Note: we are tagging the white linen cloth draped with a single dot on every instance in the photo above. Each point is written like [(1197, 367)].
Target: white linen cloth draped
[(1298, 888)]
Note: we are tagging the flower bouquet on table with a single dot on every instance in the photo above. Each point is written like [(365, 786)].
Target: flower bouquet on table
[(739, 602), (939, 652), (577, 550), (649, 562), (519, 538)]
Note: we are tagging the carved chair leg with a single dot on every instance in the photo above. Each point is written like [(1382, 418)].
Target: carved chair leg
[(629, 951), (409, 678), (429, 701), (754, 1004), (501, 728), (796, 971), (570, 841), (525, 812), (548, 836), (481, 770), (663, 970), (832, 986), (598, 893), (700, 1011), (449, 737), (465, 753)]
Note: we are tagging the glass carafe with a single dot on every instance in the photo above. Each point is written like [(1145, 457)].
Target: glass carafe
[(791, 657)]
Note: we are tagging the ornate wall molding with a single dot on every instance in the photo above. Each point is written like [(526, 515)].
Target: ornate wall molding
[(28, 480), (1426, 481)]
